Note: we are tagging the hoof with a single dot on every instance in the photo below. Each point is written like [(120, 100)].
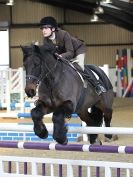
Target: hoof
[(114, 138), (65, 143), (80, 138), (97, 142), (60, 141), (41, 133), (107, 139)]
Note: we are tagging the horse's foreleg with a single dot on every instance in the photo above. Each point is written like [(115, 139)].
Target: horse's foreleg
[(60, 130), (37, 116)]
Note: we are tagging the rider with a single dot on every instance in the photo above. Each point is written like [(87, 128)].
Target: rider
[(67, 47)]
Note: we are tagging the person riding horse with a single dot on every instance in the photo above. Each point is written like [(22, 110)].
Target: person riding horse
[(68, 47)]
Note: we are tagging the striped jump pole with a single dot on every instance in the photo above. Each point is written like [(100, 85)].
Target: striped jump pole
[(69, 147), (61, 162)]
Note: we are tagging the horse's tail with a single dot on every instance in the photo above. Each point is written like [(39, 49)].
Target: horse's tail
[(102, 76)]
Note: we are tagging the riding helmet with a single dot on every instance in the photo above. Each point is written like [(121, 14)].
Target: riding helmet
[(48, 22)]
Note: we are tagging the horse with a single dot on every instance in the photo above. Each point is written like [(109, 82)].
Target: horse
[(61, 91)]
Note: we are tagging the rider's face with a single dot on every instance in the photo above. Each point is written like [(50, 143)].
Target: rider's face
[(47, 32)]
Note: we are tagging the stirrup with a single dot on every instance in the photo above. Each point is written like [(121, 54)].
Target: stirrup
[(100, 89)]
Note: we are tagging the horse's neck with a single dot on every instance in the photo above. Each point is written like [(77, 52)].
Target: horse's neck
[(52, 66)]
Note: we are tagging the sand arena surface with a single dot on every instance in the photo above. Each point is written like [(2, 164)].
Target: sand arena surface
[(122, 117)]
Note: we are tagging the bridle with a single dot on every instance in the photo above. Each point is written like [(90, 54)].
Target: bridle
[(29, 77), (42, 75)]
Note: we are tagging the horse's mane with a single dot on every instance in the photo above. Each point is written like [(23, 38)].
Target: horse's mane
[(48, 48)]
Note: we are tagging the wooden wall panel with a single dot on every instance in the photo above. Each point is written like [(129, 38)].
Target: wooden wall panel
[(22, 36), (103, 41), (25, 36), (4, 13), (103, 55), (100, 34), (16, 58), (30, 12), (25, 11)]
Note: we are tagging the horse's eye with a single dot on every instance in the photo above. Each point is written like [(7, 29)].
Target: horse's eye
[(36, 61), (36, 64)]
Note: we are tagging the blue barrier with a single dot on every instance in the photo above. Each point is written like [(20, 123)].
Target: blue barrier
[(28, 115)]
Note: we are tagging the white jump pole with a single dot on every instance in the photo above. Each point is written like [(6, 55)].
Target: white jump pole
[(82, 130)]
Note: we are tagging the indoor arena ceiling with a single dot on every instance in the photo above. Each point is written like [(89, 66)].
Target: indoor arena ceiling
[(117, 12)]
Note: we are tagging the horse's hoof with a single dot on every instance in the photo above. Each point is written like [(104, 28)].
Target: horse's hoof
[(80, 138), (97, 142), (66, 141), (43, 133), (107, 139), (60, 141), (114, 138)]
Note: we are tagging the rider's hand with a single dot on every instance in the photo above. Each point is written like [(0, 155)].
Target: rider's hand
[(58, 56)]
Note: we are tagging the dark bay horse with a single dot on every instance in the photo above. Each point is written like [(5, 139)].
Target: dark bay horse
[(61, 91)]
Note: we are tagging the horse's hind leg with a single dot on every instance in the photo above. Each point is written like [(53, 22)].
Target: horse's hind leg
[(96, 116), (93, 119), (37, 116), (107, 121)]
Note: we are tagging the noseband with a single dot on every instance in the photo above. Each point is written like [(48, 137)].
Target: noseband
[(42, 75), (29, 77)]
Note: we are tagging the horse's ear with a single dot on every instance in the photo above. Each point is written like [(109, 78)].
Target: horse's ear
[(35, 48), (25, 49)]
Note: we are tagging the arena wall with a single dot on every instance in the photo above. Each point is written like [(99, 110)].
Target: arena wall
[(102, 39)]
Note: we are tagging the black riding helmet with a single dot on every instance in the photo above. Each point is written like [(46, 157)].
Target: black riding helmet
[(48, 22)]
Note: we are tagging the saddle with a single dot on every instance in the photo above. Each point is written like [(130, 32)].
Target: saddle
[(87, 74)]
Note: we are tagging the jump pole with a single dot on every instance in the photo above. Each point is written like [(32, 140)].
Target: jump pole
[(68, 147), (81, 130)]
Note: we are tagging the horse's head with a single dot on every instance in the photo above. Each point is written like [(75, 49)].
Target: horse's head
[(32, 64)]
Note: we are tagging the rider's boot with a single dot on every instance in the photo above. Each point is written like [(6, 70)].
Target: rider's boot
[(99, 89)]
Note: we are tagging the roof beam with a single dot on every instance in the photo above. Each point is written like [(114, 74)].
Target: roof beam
[(126, 6), (118, 14), (110, 19), (74, 5)]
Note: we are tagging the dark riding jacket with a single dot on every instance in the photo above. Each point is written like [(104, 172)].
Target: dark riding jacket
[(66, 45)]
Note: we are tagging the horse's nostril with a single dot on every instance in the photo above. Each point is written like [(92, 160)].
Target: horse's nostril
[(31, 93)]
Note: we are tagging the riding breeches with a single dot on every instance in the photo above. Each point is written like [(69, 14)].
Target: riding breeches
[(79, 59)]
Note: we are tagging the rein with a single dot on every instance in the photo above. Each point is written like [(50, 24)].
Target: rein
[(43, 75)]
